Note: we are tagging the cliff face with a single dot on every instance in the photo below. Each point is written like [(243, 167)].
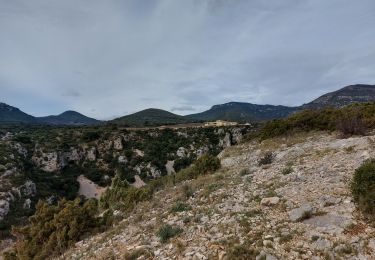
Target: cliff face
[(297, 205)]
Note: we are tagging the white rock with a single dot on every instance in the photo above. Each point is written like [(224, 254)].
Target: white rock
[(270, 201)]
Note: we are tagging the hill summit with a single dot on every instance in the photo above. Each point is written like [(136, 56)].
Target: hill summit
[(151, 116), (345, 96), (68, 118)]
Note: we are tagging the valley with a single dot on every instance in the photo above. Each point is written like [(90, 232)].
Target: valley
[(52, 163)]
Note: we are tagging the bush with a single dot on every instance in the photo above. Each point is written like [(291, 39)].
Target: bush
[(363, 188), (206, 164), (244, 172), (122, 195), (187, 191), (54, 228), (166, 232), (287, 170), (180, 207), (242, 252), (350, 124), (91, 136), (266, 159)]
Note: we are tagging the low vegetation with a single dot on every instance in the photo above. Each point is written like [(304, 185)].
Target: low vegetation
[(267, 158), (54, 228), (122, 195), (353, 119), (166, 232), (363, 188)]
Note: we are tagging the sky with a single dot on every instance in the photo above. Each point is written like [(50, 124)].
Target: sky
[(110, 58)]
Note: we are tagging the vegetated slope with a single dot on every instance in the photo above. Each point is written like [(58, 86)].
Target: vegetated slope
[(13, 114), (349, 120), (344, 96), (151, 117), (243, 112), (68, 118), (298, 206)]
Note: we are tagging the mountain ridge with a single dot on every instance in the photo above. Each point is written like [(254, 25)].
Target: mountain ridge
[(243, 112), (232, 111)]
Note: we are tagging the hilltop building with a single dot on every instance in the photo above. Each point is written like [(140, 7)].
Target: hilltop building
[(220, 123)]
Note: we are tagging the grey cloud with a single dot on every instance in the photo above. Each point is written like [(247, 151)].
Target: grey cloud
[(182, 108), (71, 93), (130, 55)]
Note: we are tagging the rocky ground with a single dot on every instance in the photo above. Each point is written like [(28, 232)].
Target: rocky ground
[(296, 207)]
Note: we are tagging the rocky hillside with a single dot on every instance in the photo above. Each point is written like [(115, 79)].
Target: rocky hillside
[(342, 97), (283, 198)]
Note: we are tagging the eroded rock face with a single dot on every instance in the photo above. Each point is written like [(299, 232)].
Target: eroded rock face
[(122, 159), (28, 189), (48, 162), (74, 155), (182, 152), (201, 151), (4, 209), (237, 135), (169, 167), (226, 141), (91, 154), (117, 144)]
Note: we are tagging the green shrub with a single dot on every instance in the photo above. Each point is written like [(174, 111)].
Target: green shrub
[(54, 228), (266, 159), (206, 164), (363, 188), (122, 195), (180, 207), (287, 170), (242, 252), (91, 136), (244, 172), (166, 232), (187, 191), (350, 124)]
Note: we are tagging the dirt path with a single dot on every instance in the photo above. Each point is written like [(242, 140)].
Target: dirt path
[(88, 188)]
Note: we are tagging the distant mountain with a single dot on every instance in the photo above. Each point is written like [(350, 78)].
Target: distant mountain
[(344, 96), (232, 111), (150, 117), (68, 118), (13, 114), (243, 112)]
